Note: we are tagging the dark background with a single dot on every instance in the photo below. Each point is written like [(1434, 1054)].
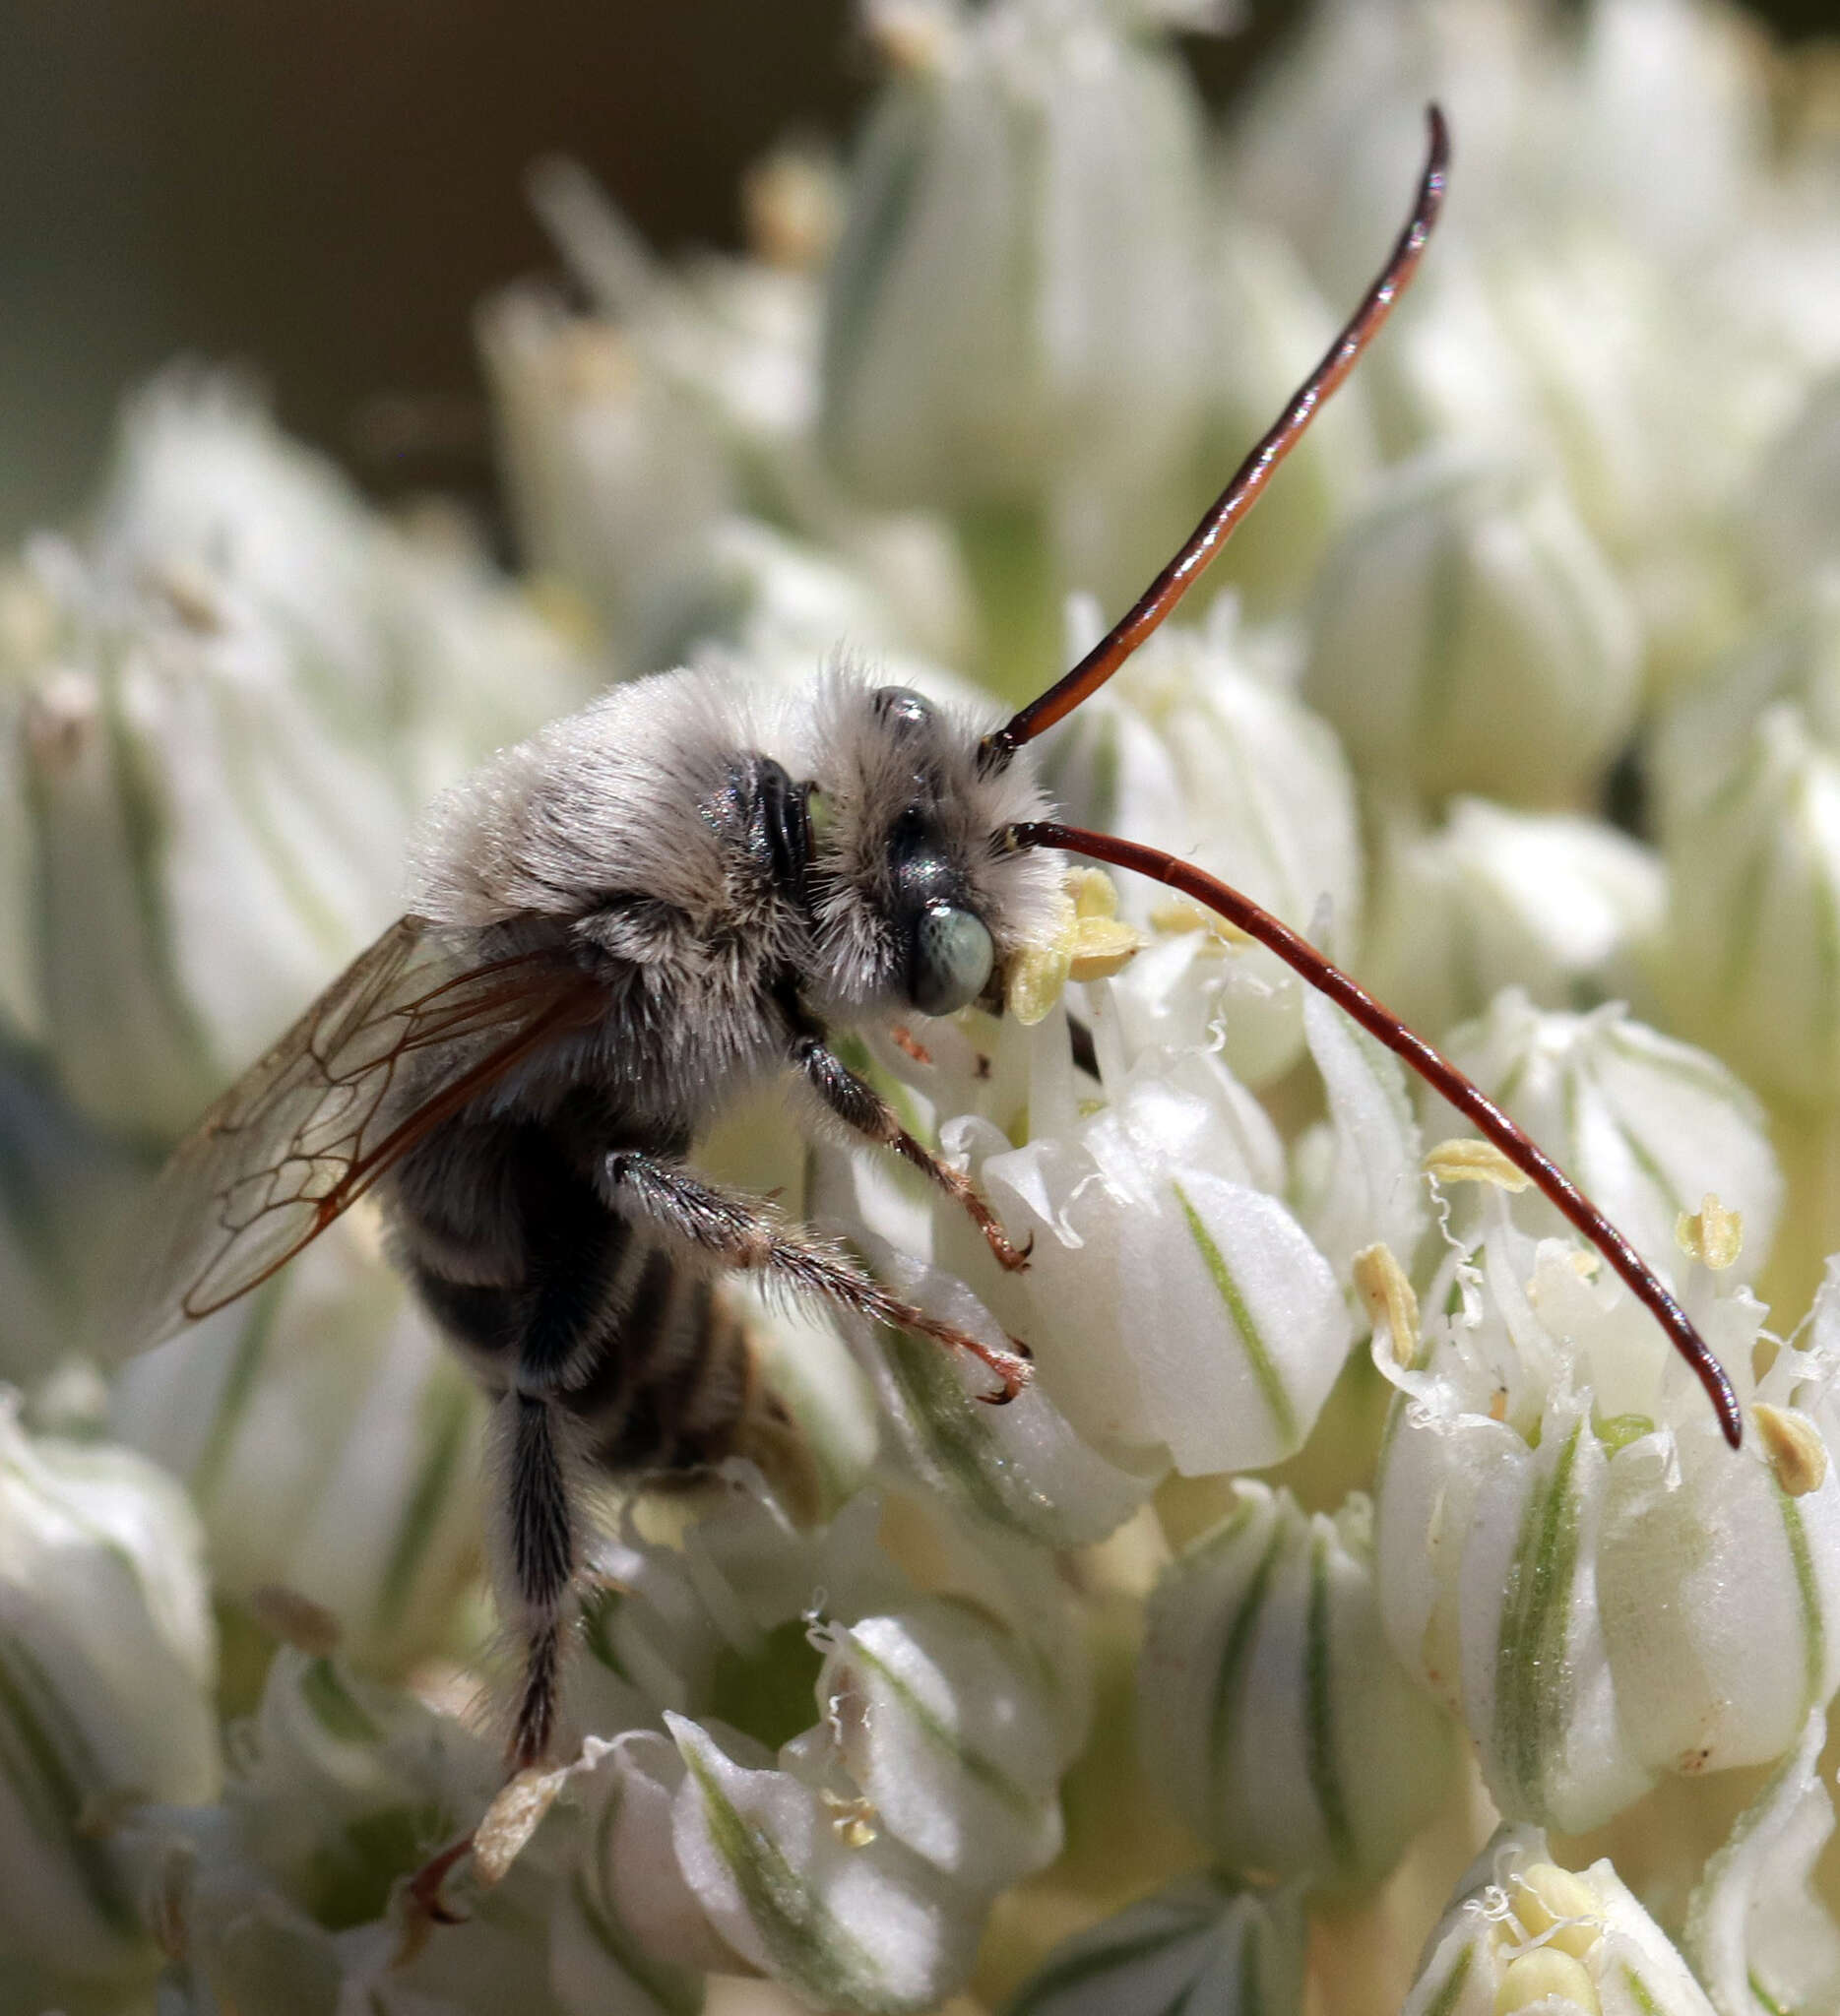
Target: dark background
[(324, 188)]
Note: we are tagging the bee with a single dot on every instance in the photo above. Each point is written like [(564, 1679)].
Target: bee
[(621, 924)]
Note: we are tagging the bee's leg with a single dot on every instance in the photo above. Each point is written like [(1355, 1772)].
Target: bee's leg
[(540, 1559), (864, 1111), (740, 1233)]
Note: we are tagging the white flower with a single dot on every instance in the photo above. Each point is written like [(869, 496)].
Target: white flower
[(291, 1896), (207, 852), (614, 474), (1192, 750), (1017, 299), (1557, 906), (1523, 1933), (331, 1442), (1645, 1126), (1467, 635), (220, 782), (1271, 324), (1750, 896), (1173, 1303), (1755, 1931), (67, 1192), (1704, 742), (1199, 1944), (896, 1760), (1571, 1556), (1270, 1710), (1358, 1182), (1795, 502), (108, 1663)]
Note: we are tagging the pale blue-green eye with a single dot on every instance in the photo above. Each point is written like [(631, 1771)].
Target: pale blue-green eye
[(952, 959)]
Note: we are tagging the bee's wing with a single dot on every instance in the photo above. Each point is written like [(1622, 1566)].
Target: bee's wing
[(406, 1035)]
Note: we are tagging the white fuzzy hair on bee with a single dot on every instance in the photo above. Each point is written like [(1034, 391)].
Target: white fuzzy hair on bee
[(616, 925), (630, 781)]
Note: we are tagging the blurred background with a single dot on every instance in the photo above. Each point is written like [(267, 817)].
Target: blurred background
[(324, 188)]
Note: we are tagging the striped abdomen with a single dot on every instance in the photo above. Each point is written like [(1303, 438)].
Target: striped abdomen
[(546, 1291)]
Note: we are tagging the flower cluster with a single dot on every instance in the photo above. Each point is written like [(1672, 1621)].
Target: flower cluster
[(1358, 1527)]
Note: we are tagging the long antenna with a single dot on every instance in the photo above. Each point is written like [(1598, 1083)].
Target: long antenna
[(1432, 1065), (1251, 476)]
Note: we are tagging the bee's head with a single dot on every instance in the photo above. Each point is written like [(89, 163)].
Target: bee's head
[(917, 900)]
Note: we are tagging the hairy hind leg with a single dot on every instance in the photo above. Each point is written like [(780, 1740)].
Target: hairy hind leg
[(539, 1555), (741, 1233)]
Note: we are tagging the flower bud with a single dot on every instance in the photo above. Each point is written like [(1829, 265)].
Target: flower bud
[(613, 472), (1017, 299), (1270, 1711), (1357, 1178), (1148, 756), (1646, 1126), (1271, 319), (1745, 969), (1199, 1944), (1467, 635), (108, 1663), (1522, 1933), (1572, 1557), (1704, 742), (1757, 1930), (1795, 502), (1556, 906), (331, 1442), (67, 1190)]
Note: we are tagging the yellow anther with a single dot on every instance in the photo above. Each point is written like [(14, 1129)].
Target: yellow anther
[(1103, 946), (1386, 1295), (1793, 1445), (791, 209), (1181, 913), (1094, 893), (1711, 1233), (1549, 1899), (1038, 973), (1474, 1162), (1546, 1975), (512, 1818), (909, 38), (853, 1821)]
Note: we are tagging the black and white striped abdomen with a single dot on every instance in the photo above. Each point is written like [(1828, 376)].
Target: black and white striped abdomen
[(542, 1289)]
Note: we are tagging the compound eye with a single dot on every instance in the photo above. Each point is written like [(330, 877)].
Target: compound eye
[(901, 708), (952, 959)]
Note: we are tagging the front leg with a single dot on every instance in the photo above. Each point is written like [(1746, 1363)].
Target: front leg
[(864, 1110), (739, 1231)]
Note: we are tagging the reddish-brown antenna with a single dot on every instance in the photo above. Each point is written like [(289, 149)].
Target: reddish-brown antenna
[(1156, 601), (1432, 1065), (1251, 476)]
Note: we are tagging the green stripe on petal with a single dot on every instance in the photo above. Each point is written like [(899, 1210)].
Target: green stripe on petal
[(1533, 1695), (1318, 1713), (1264, 1366), (1234, 1657), (1807, 1597), (47, 1760), (978, 1767), (800, 1933), (1451, 1989)]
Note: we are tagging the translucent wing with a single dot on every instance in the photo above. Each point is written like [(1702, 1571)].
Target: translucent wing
[(406, 1036)]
